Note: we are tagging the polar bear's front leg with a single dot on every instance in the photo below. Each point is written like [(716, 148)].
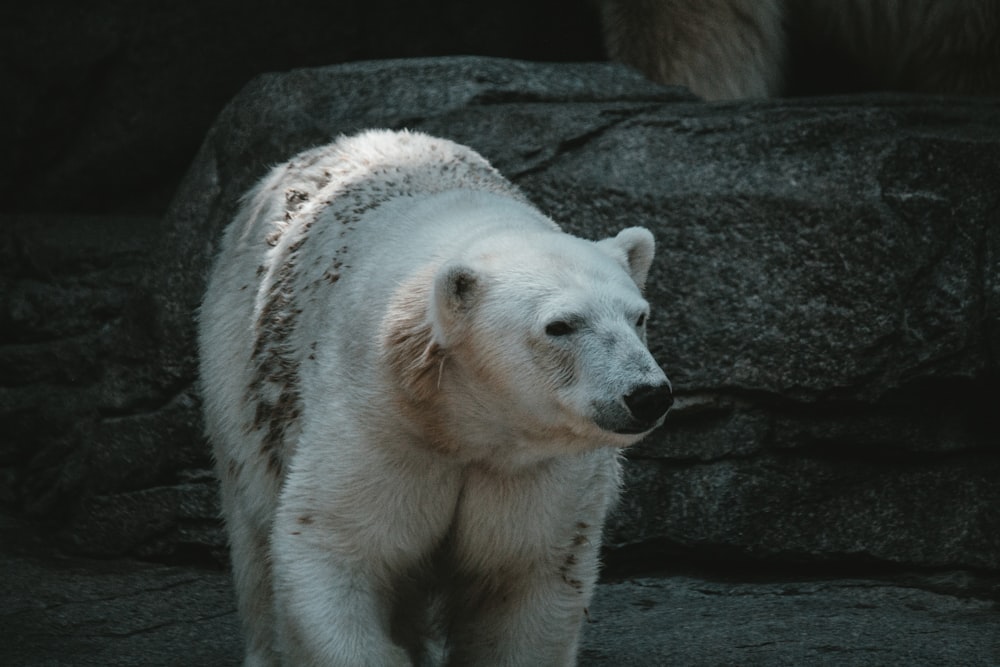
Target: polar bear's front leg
[(526, 561), (330, 610), (530, 619), (536, 632), (351, 525)]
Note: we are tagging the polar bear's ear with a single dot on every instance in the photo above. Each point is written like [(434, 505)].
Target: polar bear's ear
[(456, 289), (633, 248)]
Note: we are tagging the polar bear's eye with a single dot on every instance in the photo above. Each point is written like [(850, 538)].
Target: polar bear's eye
[(559, 328), (641, 320)]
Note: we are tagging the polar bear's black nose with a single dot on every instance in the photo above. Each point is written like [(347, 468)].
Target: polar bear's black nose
[(649, 402)]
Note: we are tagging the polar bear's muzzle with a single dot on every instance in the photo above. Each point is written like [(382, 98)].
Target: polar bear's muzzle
[(648, 402), (647, 405), (640, 410)]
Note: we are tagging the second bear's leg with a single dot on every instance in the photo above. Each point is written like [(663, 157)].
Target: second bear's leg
[(720, 49)]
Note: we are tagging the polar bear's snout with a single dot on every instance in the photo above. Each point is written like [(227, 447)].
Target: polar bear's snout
[(649, 402)]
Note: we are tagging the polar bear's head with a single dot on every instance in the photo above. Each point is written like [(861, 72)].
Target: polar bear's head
[(540, 340)]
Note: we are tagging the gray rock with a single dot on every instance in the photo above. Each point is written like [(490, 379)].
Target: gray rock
[(690, 620), (825, 292), (826, 300), (61, 612), (78, 612), (930, 512), (95, 436)]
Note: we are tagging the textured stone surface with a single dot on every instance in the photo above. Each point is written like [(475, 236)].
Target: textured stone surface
[(691, 620), (826, 301), (95, 435), (825, 293), (57, 611), (75, 612)]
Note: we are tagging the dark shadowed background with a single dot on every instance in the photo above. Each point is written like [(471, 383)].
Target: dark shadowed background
[(106, 102)]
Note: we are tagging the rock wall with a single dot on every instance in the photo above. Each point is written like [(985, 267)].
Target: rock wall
[(826, 300)]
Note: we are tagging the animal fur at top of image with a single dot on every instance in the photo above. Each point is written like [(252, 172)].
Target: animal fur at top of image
[(730, 49)]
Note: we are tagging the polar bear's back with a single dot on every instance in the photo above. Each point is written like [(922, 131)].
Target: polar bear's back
[(316, 202), (360, 172)]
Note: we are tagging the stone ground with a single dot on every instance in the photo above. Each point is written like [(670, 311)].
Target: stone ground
[(67, 611)]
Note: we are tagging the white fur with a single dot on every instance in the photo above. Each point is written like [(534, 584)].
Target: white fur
[(720, 49), (727, 49), (415, 469)]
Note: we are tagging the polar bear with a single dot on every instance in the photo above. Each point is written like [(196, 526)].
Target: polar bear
[(417, 387), (727, 49)]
